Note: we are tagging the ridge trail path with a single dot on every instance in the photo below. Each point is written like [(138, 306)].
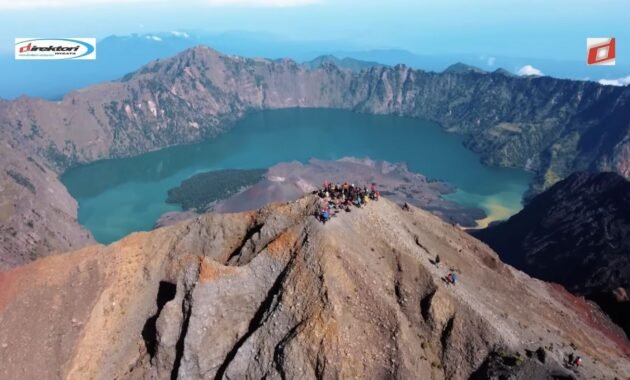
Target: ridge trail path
[(276, 294), (484, 283)]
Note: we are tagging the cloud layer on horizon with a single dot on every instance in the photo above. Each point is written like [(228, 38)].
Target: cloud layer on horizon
[(30, 4), (261, 3), (528, 70), (616, 82)]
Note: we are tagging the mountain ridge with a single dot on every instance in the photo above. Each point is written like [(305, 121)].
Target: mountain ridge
[(275, 293), (577, 233), (462, 68), (546, 125), (343, 63)]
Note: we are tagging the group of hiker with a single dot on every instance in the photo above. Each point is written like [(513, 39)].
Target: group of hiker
[(574, 361), (338, 197), (449, 279), (342, 196)]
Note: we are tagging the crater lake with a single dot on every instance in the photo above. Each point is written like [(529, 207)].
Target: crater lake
[(120, 196)]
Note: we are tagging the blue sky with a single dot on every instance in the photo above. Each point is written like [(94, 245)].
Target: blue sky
[(522, 28)]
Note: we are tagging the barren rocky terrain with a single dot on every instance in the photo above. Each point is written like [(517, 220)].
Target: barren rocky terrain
[(276, 294), (577, 234)]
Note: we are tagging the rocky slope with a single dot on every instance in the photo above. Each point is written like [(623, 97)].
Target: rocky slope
[(37, 215), (276, 294), (547, 125), (577, 234)]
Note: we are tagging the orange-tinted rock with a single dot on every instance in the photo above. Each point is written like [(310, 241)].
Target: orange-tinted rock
[(276, 293)]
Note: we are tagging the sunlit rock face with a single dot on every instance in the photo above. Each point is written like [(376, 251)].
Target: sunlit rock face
[(275, 293)]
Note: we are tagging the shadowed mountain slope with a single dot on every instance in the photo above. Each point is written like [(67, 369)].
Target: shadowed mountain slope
[(577, 234)]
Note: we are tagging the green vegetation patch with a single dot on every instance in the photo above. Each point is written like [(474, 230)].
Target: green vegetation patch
[(199, 191)]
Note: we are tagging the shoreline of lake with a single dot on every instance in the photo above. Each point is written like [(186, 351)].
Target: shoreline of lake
[(120, 196)]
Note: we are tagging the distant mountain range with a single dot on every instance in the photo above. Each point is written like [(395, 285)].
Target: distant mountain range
[(577, 234), (344, 63), (119, 55)]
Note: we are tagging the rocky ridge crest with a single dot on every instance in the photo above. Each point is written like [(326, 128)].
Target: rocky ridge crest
[(276, 294)]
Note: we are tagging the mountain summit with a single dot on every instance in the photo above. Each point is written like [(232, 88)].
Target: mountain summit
[(276, 294)]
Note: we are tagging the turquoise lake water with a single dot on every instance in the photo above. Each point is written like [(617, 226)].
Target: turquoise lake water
[(120, 196)]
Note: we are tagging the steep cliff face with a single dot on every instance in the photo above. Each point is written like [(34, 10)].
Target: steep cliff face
[(577, 234), (551, 126), (192, 96), (37, 215), (276, 294), (542, 123)]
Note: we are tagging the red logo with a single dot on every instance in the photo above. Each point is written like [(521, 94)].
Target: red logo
[(26, 48), (601, 51)]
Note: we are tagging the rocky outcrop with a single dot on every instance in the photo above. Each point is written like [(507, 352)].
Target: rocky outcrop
[(577, 234), (547, 125), (536, 365), (276, 294), (37, 215)]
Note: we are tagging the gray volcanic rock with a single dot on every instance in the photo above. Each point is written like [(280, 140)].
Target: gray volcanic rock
[(174, 217), (501, 366), (550, 126), (577, 234), (276, 294), (37, 215)]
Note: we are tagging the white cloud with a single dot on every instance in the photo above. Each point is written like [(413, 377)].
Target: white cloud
[(154, 38), (528, 70), (616, 82), (26, 4), (180, 34), (491, 61), (261, 3)]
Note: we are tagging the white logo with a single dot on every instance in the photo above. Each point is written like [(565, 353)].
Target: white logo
[(55, 48)]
